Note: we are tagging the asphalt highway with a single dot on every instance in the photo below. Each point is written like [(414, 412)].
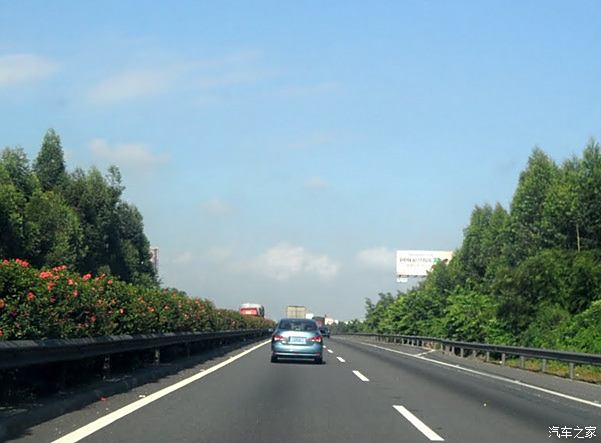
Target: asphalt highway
[(364, 392)]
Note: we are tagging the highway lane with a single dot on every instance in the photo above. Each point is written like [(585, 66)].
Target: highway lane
[(254, 400), (351, 398), (465, 406)]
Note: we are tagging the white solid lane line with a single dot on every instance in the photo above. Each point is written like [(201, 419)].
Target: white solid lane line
[(90, 428), (494, 377), (330, 351), (420, 425), (421, 354), (360, 376), (341, 360)]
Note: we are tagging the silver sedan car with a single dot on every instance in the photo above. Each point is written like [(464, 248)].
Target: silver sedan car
[(297, 338)]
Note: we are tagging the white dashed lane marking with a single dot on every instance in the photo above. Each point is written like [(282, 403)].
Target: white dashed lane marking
[(360, 376), (420, 425)]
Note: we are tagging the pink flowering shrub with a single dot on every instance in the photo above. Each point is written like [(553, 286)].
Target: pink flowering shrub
[(57, 303)]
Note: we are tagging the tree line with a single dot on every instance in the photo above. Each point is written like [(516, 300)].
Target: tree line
[(529, 275), (50, 216)]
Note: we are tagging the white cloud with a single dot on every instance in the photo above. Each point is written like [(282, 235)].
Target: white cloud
[(199, 78), (127, 154), (216, 206), (218, 254), (23, 68), (316, 183), (284, 261), (380, 258), (130, 85), (184, 258)]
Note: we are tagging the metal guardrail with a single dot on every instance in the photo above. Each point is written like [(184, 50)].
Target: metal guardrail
[(21, 353), (460, 347)]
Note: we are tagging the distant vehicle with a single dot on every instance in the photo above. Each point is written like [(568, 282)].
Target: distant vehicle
[(296, 338), (296, 312), (325, 331), (321, 321), (253, 309)]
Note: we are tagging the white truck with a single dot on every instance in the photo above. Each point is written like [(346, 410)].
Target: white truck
[(296, 312)]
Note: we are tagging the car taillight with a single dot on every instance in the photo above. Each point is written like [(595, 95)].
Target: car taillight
[(316, 339), (279, 338)]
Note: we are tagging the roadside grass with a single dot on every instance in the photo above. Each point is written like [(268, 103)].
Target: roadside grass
[(587, 373)]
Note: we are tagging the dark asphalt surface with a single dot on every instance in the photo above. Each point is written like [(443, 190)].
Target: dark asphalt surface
[(253, 400)]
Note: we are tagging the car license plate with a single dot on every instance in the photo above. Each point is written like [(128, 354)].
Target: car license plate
[(297, 340)]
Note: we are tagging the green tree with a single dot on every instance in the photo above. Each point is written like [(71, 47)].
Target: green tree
[(17, 171), (589, 196), (526, 228), (53, 230), (49, 165), (12, 220), (562, 217), (471, 316)]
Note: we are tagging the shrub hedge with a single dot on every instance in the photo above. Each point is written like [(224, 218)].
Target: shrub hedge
[(57, 303)]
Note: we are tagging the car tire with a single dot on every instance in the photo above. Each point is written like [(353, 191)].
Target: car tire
[(274, 359), (319, 360)]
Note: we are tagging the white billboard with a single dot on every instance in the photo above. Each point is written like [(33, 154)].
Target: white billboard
[(419, 263)]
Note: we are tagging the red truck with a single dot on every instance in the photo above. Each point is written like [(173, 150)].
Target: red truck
[(254, 309)]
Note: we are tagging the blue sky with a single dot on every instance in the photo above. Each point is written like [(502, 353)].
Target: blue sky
[(281, 151)]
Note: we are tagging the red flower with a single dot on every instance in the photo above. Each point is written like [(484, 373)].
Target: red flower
[(87, 277), (21, 262), (45, 274), (1, 333), (50, 285), (75, 293), (121, 311), (52, 300), (59, 268), (2, 303), (93, 319), (110, 282), (70, 282), (30, 296), (151, 309), (5, 262)]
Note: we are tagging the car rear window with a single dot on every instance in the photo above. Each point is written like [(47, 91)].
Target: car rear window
[(297, 325)]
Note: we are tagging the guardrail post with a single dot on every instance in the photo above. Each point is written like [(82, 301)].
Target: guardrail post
[(106, 366), (461, 352), (544, 365), (571, 371), (522, 362), (487, 356), (157, 357), (503, 359)]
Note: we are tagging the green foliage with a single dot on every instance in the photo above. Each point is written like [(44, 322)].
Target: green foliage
[(584, 330), (51, 217), (49, 166), (526, 227), (470, 316), (530, 276), (57, 303), (53, 230)]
